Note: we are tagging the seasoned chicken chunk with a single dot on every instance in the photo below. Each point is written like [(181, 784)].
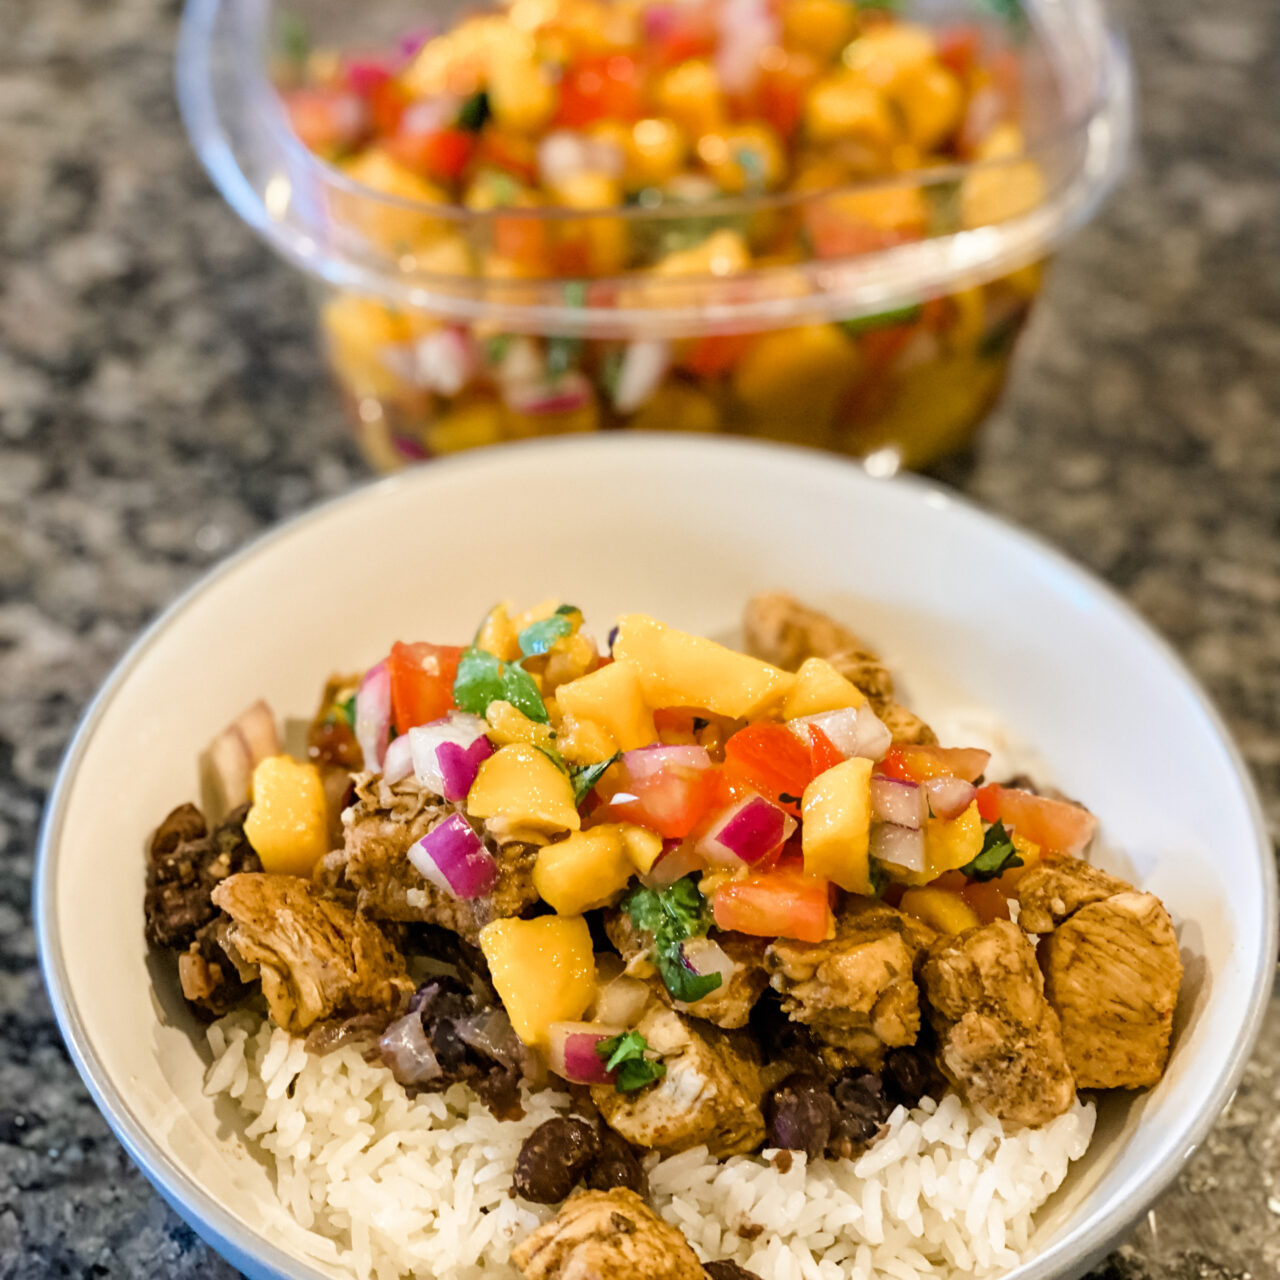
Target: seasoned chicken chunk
[(1051, 891), (379, 829), (606, 1235), (729, 1005), (999, 1040), (710, 1094), (1111, 970), (856, 991), (317, 958), (781, 630)]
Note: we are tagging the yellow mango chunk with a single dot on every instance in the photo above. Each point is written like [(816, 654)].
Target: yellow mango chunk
[(612, 697), (584, 741), (949, 843), (677, 669), (940, 908), (499, 634), (820, 687), (543, 969), (642, 846), (288, 822), (521, 790), (508, 725), (835, 835), (585, 870)]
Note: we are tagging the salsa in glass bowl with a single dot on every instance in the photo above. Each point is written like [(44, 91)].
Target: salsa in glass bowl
[(810, 220)]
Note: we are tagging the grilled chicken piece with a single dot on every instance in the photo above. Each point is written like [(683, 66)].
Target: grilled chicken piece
[(781, 630), (317, 958), (606, 1235), (1000, 1042), (711, 1092), (856, 992), (379, 828), (730, 1004), (1111, 970)]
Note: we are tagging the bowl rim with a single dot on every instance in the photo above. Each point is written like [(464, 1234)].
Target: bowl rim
[(1080, 1245)]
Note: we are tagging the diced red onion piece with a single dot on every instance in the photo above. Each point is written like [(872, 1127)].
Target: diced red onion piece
[(373, 715), (704, 957), (745, 832), (899, 802), (572, 1051), (678, 859), (397, 764), (365, 75), (455, 859), (949, 797), (427, 742), (644, 364), (569, 392), (647, 761), (898, 846), (404, 1048)]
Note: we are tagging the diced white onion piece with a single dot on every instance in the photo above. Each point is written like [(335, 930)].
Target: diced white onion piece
[(899, 802), (572, 1051), (706, 957), (404, 1048), (426, 743), (898, 846), (397, 764), (645, 762), (446, 361), (853, 731), (674, 863), (644, 365), (949, 797), (622, 1001)]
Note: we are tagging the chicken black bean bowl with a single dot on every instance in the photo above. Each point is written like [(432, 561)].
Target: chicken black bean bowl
[(300, 693)]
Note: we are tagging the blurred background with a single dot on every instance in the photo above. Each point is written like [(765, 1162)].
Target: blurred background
[(163, 398)]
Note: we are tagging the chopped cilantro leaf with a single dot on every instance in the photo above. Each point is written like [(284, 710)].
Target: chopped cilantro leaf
[(475, 111), (553, 755), (882, 320), (483, 678), (539, 636), (786, 797), (496, 348), (586, 777), (673, 915), (295, 39), (625, 1054), (998, 855), (562, 355), (567, 610), (878, 875)]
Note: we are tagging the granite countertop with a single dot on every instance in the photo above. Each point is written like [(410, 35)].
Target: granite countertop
[(161, 401)]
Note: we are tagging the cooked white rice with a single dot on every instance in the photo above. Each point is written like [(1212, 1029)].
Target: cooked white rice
[(389, 1187)]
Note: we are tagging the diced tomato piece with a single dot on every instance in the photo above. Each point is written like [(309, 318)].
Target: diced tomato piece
[(1055, 825), (716, 353), (988, 900), (387, 104), (327, 120), (780, 903), (834, 234), (521, 239), (919, 764), (513, 152), (441, 153), (823, 753), (958, 48), (785, 80), (600, 88), (674, 34), (671, 803), (772, 760), (422, 677)]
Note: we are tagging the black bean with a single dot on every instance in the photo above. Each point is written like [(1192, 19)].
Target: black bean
[(799, 1115), (726, 1270), (553, 1158), (909, 1075), (616, 1165), (862, 1108)]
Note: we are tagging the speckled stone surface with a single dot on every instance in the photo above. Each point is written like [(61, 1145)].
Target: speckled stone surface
[(161, 401)]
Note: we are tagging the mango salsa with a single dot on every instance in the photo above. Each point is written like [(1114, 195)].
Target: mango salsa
[(544, 971)]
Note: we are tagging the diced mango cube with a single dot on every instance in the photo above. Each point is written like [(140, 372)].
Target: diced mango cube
[(397, 228), (835, 835), (677, 669), (543, 969), (690, 94), (843, 106), (522, 790), (288, 822), (642, 846), (585, 870), (499, 634), (509, 725), (819, 27), (584, 741), (945, 911), (612, 697), (820, 687), (949, 843), (522, 95)]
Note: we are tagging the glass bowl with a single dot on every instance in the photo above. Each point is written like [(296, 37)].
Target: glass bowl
[(449, 327)]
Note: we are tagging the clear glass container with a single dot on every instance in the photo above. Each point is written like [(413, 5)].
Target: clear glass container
[(449, 327)]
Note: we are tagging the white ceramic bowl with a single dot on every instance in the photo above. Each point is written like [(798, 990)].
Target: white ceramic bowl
[(975, 614)]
